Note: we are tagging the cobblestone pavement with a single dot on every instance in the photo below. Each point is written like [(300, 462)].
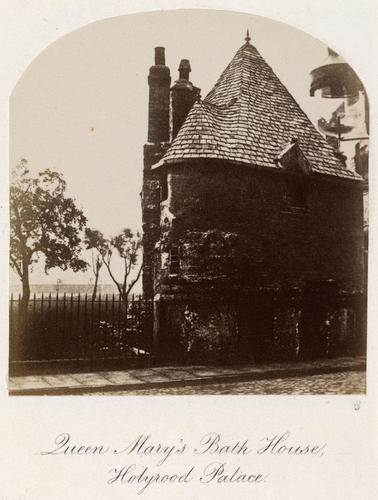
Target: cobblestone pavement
[(335, 383)]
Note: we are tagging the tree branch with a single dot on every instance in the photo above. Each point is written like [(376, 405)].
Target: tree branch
[(135, 280), (18, 226), (111, 275), (16, 266)]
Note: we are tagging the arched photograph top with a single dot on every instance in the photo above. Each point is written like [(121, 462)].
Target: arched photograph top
[(189, 211)]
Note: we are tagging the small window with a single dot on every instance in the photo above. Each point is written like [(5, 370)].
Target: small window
[(174, 261), (296, 194), (163, 187)]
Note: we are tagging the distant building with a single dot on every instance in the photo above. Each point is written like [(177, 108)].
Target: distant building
[(348, 127), (252, 224)]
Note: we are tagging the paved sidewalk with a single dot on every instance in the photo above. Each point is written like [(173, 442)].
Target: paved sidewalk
[(172, 376)]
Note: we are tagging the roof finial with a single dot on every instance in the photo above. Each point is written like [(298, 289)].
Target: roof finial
[(247, 38)]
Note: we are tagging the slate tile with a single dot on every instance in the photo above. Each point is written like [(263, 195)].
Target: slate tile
[(264, 110)]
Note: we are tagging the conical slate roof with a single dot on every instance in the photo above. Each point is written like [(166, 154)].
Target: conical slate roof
[(249, 117)]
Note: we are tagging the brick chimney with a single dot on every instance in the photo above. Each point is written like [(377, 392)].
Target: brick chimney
[(159, 81), (184, 94)]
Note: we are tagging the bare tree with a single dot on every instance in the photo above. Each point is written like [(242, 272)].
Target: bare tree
[(95, 241), (127, 245)]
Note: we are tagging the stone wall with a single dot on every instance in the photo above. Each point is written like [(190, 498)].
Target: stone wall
[(280, 240), (259, 328), (150, 198), (245, 241)]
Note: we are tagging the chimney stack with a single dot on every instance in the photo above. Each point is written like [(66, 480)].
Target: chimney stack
[(159, 81), (184, 69), (184, 95), (159, 56)]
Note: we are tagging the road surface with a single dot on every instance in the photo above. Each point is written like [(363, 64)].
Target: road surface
[(334, 383)]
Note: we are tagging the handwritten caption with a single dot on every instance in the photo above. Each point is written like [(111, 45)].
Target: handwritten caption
[(211, 458)]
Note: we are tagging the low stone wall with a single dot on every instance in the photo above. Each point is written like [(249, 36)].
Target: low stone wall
[(261, 329)]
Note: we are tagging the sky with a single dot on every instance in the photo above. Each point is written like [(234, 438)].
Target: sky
[(81, 106)]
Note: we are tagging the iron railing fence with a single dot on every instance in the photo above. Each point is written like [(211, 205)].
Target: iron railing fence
[(79, 327)]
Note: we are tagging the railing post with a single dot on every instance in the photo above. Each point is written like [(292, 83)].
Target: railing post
[(49, 334), (119, 325), (106, 340), (132, 310), (56, 322), (85, 347), (98, 329), (140, 334), (18, 312), (78, 333), (12, 338), (113, 326), (78, 310), (71, 316), (126, 300), (42, 302), (64, 318), (91, 348)]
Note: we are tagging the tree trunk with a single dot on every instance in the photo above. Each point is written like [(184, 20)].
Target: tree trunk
[(25, 286), (23, 313), (95, 287), (125, 301), (96, 267)]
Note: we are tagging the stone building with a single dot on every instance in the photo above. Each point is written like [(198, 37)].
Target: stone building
[(253, 238)]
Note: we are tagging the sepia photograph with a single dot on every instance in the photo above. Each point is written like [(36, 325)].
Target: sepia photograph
[(188, 211)]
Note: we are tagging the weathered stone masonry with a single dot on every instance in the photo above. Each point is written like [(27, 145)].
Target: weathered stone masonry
[(159, 81), (287, 243), (252, 227)]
